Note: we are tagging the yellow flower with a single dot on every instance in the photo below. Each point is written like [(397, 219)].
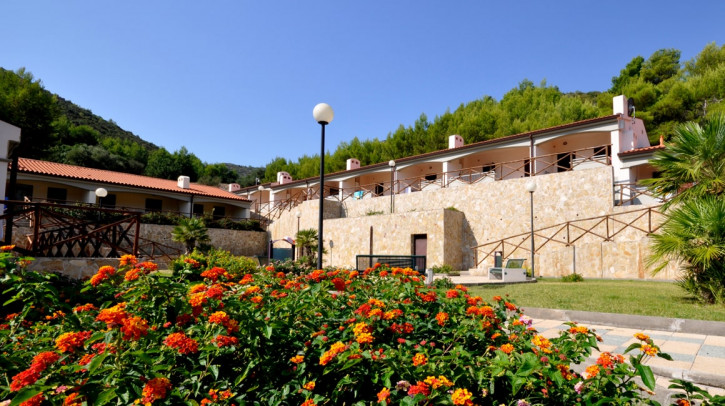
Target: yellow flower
[(309, 385), (461, 396)]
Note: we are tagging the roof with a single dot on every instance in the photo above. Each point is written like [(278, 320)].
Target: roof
[(643, 150), (54, 169), (454, 150)]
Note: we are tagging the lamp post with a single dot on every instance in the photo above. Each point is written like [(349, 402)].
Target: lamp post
[(298, 215), (391, 164), (100, 193), (531, 188), (323, 114)]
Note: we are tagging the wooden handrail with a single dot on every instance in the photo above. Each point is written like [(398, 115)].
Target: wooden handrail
[(549, 233)]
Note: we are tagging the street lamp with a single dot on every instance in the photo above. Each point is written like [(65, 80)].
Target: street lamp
[(391, 164), (323, 114), (100, 193), (531, 188)]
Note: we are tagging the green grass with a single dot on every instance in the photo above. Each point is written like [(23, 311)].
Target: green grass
[(662, 299)]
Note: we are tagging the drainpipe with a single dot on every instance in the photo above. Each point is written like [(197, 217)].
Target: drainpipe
[(532, 169), (191, 206)]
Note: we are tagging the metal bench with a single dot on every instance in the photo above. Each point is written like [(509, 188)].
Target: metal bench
[(512, 272)]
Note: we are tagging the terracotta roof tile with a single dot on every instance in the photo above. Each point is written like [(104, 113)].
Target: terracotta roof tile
[(642, 150), (34, 166)]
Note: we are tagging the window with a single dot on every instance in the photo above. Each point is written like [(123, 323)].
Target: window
[(108, 202), (219, 212), (23, 191), (431, 177), (488, 168), (527, 167), (334, 191), (57, 195), (379, 188), (563, 162), (153, 204), (198, 210)]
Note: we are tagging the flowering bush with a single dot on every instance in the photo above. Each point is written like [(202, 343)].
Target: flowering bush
[(326, 337)]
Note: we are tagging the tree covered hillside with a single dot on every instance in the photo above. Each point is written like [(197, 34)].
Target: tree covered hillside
[(58, 130), (666, 92)]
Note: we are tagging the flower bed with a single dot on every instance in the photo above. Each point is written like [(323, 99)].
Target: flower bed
[(327, 337)]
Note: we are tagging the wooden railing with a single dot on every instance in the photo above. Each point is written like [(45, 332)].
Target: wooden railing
[(75, 231), (630, 193), (543, 164), (603, 228)]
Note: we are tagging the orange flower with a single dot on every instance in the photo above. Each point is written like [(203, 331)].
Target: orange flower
[(148, 267), (436, 383), (103, 273), (23, 379), (128, 260), (215, 273), (330, 354), (132, 275), (364, 338), (297, 359), (84, 308), (461, 397), (542, 342), (442, 318), (309, 385), (134, 327), (591, 371), (642, 337), (219, 317), (383, 395), (419, 359), (507, 348), (74, 399), (7, 247), (36, 400), (69, 342), (113, 315), (225, 341), (308, 402), (43, 360), (182, 343), (649, 350), (155, 389), (578, 330)]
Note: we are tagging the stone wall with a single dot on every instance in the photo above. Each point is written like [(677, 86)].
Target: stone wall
[(487, 212)]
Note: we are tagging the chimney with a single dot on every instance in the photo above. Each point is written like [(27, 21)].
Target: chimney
[(619, 105), (233, 187), (353, 163), (455, 141), (183, 182), (283, 177)]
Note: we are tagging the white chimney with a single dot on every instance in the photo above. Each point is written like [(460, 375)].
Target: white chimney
[(283, 177), (353, 163), (619, 105), (183, 182), (233, 187), (455, 141)]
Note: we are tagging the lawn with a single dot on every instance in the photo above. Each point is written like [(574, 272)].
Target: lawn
[(662, 299)]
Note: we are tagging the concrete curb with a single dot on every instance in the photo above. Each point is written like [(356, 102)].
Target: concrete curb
[(712, 328)]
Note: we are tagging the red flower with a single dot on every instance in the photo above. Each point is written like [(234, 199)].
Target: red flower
[(23, 379), (36, 400), (134, 327), (420, 387)]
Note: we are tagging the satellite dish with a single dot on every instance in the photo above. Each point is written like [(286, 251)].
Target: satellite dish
[(630, 107)]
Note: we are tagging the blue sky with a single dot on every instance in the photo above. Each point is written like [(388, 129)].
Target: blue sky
[(236, 81)]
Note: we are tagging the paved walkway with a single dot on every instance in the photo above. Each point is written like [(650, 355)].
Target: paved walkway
[(697, 347)]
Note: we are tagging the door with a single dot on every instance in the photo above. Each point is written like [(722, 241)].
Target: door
[(420, 247), (563, 162)]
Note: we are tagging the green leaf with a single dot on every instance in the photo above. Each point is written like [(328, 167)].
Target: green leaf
[(665, 356), (632, 347), (647, 376), (214, 371), (105, 396), (96, 362), (24, 395)]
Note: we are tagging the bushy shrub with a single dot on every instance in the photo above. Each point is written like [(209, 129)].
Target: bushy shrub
[(192, 265), (445, 269), (272, 338), (574, 277)]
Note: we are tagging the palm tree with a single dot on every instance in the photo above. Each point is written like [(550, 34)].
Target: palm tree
[(693, 172), (189, 232), (693, 164), (307, 241)]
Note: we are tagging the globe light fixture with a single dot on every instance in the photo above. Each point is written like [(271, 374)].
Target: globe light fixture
[(323, 114)]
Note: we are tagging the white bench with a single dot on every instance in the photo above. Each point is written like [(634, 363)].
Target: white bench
[(512, 272)]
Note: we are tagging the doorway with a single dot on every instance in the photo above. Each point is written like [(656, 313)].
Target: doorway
[(420, 247)]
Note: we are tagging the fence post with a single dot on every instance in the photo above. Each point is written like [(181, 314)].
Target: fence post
[(138, 231), (36, 228)]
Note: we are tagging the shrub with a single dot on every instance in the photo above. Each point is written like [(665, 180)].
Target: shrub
[(574, 277), (271, 338), (192, 265), (445, 269)]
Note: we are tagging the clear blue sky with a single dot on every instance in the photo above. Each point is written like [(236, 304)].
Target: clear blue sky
[(236, 81)]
